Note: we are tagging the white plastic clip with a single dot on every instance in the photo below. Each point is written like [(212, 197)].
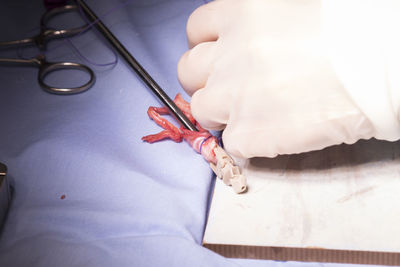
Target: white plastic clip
[(227, 171)]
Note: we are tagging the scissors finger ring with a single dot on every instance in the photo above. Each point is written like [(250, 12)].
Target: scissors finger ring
[(48, 68)]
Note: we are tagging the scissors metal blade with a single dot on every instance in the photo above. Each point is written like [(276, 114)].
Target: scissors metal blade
[(27, 41), (47, 33), (17, 61)]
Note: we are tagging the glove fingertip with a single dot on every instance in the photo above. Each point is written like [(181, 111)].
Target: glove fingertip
[(203, 110)]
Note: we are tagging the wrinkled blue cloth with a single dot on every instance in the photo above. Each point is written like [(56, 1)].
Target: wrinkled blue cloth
[(87, 190)]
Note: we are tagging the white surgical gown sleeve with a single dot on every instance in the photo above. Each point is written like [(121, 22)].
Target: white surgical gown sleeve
[(363, 37)]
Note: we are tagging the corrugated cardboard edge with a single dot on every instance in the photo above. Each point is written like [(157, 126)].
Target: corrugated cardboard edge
[(306, 254)]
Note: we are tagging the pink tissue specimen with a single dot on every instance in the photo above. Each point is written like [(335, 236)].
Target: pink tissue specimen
[(202, 141)]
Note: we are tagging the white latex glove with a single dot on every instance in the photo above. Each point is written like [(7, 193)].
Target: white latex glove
[(262, 69)]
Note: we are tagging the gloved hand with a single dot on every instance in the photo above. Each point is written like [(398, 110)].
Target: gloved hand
[(261, 70)]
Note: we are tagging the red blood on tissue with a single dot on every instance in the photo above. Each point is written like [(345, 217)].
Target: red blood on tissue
[(202, 141)]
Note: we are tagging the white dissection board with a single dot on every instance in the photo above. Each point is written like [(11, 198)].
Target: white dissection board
[(344, 197)]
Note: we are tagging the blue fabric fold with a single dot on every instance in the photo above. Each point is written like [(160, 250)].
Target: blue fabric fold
[(87, 190)]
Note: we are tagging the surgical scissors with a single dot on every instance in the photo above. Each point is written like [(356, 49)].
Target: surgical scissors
[(46, 33)]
